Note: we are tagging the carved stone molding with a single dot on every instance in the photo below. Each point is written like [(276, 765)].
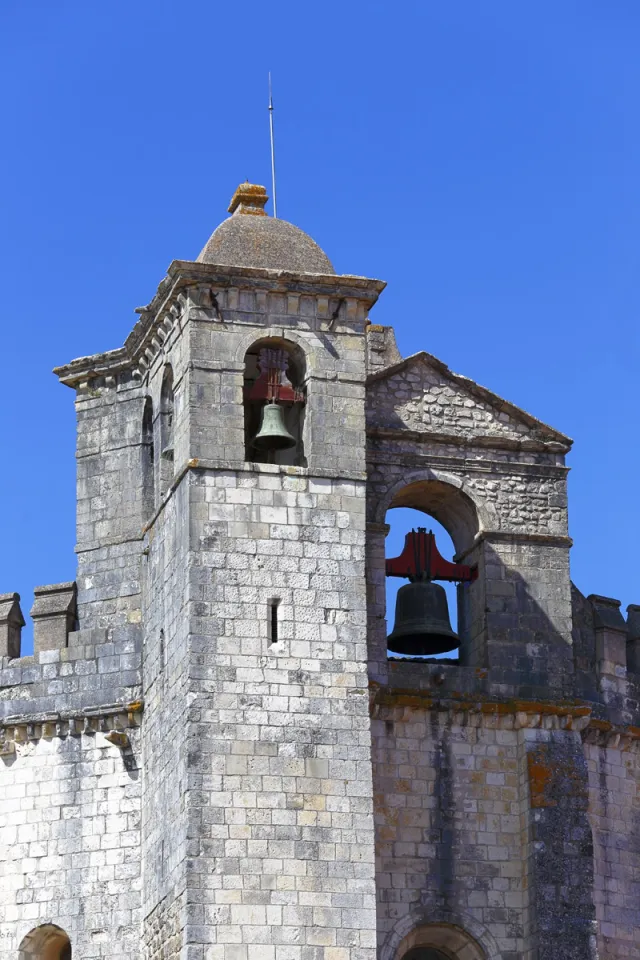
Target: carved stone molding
[(110, 719)]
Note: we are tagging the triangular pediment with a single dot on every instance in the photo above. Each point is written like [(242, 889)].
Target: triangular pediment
[(420, 395)]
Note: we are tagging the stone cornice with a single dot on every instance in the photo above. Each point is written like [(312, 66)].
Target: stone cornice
[(197, 285), (465, 461), (472, 711), (494, 441), (515, 536), (111, 719)]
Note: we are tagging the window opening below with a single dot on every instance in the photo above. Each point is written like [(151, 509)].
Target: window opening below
[(273, 619)]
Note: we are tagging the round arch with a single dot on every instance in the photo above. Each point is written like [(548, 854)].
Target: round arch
[(290, 370), (297, 371), (47, 942), (446, 498), (272, 335), (457, 936), (442, 940)]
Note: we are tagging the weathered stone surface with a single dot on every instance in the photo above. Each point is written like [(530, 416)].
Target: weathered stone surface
[(11, 624), (54, 615), (261, 241)]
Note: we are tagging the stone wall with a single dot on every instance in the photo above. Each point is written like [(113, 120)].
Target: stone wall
[(70, 793), (279, 797), (168, 704), (448, 810), (110, 504), (70, 844), (614, 812)]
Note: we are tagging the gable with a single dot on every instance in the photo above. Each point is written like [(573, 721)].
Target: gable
[(421, 395)]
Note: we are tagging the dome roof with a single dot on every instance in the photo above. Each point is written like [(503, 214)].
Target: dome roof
[(250, 238)]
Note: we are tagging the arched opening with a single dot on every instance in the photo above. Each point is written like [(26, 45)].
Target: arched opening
[(47, 942), (439, 941), (444, 509), (274, 402), (147, 459), (166, 430)]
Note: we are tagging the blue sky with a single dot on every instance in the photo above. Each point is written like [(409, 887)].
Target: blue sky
[(482, 157)]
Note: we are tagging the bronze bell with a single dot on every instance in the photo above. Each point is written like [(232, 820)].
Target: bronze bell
[(422, 626), (273, 434)]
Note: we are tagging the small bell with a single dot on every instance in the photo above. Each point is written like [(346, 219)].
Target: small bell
[(273, 434), (422, 626)]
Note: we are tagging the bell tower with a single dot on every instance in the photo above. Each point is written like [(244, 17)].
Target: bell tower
[(240, 757), (257, 812)]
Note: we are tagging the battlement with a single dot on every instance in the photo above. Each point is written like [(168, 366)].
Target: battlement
[(71, 671), (54, 615)]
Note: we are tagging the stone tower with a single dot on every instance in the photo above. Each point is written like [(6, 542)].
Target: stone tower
[(211, 754)]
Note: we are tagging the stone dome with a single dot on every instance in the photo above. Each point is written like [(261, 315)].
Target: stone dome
[(250, 238)]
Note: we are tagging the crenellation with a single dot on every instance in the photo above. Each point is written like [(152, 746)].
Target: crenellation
[(633, 639), (54, 614), (11, 624)]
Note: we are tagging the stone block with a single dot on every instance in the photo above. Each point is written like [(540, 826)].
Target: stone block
[(611, 636), (11, 624), (54, 615), (633, 638)]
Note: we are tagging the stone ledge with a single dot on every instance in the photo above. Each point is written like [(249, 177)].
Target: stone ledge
[(509, 715), (101, 719)]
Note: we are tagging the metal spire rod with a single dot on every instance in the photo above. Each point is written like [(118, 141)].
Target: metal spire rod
[(273, 151)]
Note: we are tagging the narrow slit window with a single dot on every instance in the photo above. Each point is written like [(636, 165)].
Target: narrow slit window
[(273, 620)]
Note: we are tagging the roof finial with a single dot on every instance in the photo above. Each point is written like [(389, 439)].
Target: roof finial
[(249, 198)]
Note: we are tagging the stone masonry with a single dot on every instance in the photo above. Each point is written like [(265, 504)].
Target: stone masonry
[(211, 754)]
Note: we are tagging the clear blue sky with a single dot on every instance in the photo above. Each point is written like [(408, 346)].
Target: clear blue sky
[(482, 157)]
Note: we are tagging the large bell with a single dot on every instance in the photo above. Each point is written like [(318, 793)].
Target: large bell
[(273, 434), (422, 626)]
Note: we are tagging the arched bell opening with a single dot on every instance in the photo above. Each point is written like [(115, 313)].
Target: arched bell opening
[(166, 430), (48, 942), (439, 941), (147, 460), (430, 605), (274, 402)]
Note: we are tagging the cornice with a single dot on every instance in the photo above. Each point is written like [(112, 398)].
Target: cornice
[(495, 441), (197, 285), (471, 711), (113, 720), (468, 461)]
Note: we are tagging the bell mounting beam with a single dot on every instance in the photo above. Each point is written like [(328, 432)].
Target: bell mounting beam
[(421, 560), (268, 388), (272, 383)]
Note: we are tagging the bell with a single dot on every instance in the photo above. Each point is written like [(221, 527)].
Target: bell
[(273, 434), (422, 626)]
